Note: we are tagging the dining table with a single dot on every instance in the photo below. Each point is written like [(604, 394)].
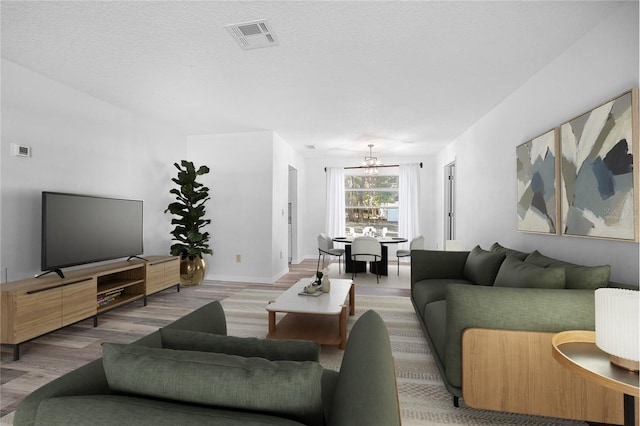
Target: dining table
[(380, 267)]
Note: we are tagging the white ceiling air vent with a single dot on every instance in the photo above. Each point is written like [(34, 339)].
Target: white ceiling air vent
[(253, 34)]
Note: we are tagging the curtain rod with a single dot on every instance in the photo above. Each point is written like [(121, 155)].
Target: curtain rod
[(380, 166)]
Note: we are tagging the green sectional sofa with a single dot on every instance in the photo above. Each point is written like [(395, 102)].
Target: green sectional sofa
[(497, 289), (191, 373)]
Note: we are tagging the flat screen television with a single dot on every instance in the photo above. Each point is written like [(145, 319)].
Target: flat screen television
[(79, 229)]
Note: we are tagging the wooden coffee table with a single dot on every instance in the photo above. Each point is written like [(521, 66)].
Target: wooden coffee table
[(322, 319)]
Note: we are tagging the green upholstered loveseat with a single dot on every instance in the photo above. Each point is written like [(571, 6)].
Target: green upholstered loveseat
[(501, 289), (191, 373)]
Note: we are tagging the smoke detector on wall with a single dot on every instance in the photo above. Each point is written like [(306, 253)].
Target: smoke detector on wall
[(253, 34)]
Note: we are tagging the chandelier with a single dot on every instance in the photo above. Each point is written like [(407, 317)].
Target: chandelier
[(370, 163)]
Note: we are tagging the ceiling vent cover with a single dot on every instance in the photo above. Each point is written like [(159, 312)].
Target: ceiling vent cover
[(253, 34)]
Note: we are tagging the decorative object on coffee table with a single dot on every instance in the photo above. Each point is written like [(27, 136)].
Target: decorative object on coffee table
[(189, 208), (326, 282)]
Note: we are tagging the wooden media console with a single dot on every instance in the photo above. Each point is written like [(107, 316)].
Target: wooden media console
[(32, 307)]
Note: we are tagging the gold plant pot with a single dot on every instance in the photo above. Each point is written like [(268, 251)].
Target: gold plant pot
[(192, 270)]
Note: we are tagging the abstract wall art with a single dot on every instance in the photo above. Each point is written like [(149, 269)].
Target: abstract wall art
[(599, 171), (536, 164)]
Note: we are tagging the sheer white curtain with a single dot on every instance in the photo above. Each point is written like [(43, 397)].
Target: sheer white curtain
[(335, 222), (408, 202)]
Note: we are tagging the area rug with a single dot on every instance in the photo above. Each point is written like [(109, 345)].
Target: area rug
[(422, 395)]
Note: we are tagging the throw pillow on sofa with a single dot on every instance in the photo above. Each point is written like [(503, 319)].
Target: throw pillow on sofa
[(482, 266), (497, 248), (578, 276), (285, 388), (273, 350), (516, 273)]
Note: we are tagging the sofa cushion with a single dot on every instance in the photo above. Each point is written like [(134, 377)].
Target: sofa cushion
[(119, 410), (286, 388), (516, 273), (497, 248), (577, 276), (482, 266), (273, 350)]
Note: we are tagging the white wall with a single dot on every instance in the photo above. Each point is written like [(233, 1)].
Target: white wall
[(598, 67), (285, 157), (80, 144), (315, 189), (249, 190)]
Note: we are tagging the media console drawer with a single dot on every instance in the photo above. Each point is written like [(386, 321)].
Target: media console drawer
[(41, 307), (31, 315), (162, 274)]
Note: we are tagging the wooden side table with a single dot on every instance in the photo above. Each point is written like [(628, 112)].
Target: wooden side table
[(577, 351)]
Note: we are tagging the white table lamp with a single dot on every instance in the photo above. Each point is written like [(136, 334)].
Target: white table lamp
[(618, 326)]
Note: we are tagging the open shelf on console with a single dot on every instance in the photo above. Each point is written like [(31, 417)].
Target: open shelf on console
[(123, 299), (116, 284), (118, 288)]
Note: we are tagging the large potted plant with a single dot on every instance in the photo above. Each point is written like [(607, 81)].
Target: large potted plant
[(189, 209)]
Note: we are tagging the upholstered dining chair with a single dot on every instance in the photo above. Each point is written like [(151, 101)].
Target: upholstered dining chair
[(325, 248), (416, 243), (366, 249)]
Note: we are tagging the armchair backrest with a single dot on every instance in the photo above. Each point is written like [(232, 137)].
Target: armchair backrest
[(366, 390)]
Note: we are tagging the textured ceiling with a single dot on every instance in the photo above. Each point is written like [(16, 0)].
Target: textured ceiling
[(406, 76)]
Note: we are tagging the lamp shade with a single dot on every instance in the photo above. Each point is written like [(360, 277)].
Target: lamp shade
[(618, 325)]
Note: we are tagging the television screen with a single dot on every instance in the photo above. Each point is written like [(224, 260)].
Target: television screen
[(79, 229)]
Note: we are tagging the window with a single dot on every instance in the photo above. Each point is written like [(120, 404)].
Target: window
[(371, 203)]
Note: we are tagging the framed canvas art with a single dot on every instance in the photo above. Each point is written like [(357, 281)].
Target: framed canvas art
[(536, 165), (599, 171)]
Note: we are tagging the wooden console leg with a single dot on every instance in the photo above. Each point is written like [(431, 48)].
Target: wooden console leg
[(352, 300), (272, 323)]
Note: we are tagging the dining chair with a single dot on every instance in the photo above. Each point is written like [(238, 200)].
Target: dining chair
[(416, 243), (325, 247), (366, 249)]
